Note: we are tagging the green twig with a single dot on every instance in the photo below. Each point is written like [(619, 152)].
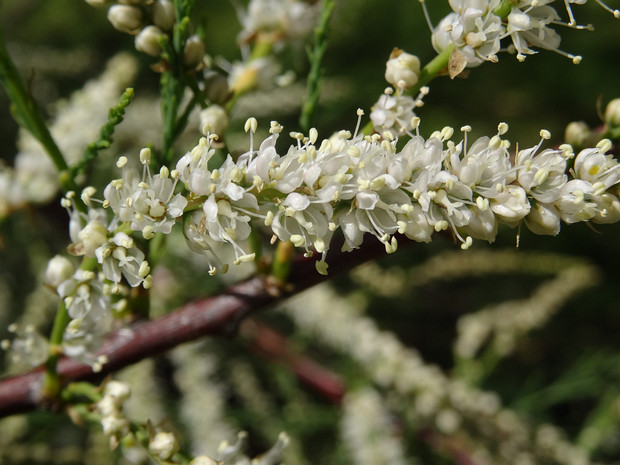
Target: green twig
[(315, 76), (115, 117), (27, 113)]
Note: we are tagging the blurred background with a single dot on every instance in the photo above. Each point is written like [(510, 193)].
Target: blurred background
[(566, 372)]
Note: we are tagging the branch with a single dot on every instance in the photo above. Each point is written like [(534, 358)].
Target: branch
[(216, 316)]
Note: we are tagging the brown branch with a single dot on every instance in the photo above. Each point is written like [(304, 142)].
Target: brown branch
[(219, 315), (276, 347)]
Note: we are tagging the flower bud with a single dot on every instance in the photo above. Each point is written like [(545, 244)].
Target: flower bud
[(97, 3), (92, 236), (117, 391), (164, 15), (213, 120), (125, 18), (163, 445), (59, 269), (148, 41), (543, 220), (216, 87), (114, 424), (576, 134), (194, 51), (402, 67), (612, 113)]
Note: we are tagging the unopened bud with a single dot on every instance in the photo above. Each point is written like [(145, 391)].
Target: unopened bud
[(612, 113), (402, 68), (163, 14), (576, 134), (97, 3), (59, 269), (163, 445), (125, 18), (194, 51), (213, 120), (147, 41)]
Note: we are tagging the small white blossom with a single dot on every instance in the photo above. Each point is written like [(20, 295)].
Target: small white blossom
[(58, 270), (213, 120), (596, 167), (148, 203), (163, 445), (281, 18), (121, 258), (393, 113), (542, 175), (473, 29)]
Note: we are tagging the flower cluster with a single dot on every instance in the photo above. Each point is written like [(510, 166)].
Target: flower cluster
[(278, 19), (476, 28), (364, 184)]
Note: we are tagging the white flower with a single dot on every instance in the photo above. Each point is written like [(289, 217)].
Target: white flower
[(282, 18), (92, 236), (84, 296), (527, 25), (149, 204), (594, 166), (304, 222), (163, 445), (473, 29), (118, 391), (511, 205), (120, 257), (28, 349), (607, 209), (227, 222), (58, 270), (484, 167), (543, 219), (257, 73), (393, 114), (541, 175), (213, 120)]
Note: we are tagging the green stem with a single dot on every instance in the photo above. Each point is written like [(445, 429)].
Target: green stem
[(173, 84), (316, 57), (79, 391), (282, 259), (432, 69), (51, 381), (27, 113), (115, 117)]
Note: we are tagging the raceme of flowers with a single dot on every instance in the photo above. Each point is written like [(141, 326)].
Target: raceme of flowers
[(476, 28), (359, 184)]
